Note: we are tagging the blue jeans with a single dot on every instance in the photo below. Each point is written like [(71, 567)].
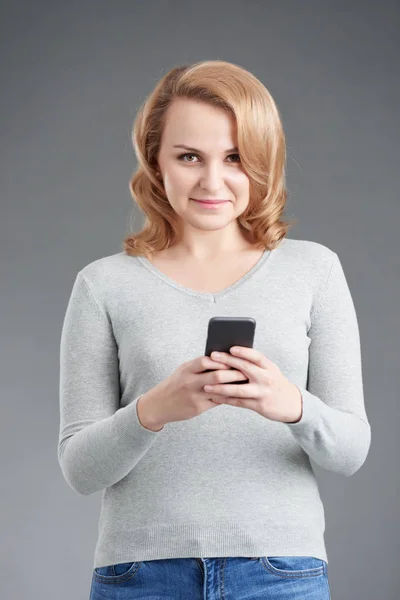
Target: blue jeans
[(227, 578)]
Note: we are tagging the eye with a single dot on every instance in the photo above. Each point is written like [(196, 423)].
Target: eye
[(182, 156)]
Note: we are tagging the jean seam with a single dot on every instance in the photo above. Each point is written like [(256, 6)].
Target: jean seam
[(295, 575)]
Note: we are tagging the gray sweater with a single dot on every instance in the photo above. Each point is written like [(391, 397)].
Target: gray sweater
[(228, 482)]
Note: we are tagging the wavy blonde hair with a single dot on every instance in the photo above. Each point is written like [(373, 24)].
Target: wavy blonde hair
[(261, 146)]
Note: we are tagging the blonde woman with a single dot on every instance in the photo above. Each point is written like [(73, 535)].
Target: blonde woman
[(207, 485)]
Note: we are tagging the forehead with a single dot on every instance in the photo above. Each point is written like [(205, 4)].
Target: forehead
[(198, 124)]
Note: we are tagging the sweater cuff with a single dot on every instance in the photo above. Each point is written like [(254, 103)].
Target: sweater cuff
[(310, 414)]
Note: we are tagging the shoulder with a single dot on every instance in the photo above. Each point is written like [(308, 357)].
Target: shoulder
[(104, 275), (102, 267), (306, 262), (306, 250), (307, 255)]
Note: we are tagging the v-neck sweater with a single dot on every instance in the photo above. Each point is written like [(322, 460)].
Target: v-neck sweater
[(228, 482)]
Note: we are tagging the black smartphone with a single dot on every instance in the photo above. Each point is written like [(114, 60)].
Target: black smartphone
[(225, 332)]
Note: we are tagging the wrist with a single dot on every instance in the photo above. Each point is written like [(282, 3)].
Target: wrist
[(146, 412), (297, 406)]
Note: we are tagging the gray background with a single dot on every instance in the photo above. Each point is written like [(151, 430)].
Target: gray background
[(73, 76)]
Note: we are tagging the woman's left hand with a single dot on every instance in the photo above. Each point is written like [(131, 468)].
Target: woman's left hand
[(268, 392)]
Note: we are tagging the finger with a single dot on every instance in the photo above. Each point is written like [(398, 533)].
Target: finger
[(246, 367), (210, 364), (247, 390), (251, 354), (231, 376), (220, 365), (239, 403)]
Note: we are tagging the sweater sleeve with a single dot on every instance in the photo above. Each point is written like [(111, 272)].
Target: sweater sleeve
[(99, 442), (334, 429)]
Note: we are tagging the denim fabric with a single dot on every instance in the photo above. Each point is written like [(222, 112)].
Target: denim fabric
[(226, 578)]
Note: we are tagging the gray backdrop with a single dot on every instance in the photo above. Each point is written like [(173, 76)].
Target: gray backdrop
[(74, 74)]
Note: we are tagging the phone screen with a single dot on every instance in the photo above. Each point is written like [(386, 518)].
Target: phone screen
[(225, 332)]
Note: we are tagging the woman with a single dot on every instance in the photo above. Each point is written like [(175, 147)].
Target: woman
[(210, 490)]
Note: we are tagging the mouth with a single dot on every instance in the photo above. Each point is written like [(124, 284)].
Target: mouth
[(210, 202)]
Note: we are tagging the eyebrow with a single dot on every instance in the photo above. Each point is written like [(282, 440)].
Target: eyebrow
[(235, 149)]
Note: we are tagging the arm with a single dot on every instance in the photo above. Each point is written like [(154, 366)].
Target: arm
[(99, 442), (334, 429)]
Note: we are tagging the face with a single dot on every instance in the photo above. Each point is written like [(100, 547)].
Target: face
[(211, 169)]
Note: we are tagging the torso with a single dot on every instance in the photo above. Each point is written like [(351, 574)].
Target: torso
[(210, 277)]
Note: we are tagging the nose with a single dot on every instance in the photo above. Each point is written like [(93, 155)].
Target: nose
[(212, 178)]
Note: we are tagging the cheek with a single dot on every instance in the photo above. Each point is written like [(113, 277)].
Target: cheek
[(241, 186), (239, 179), (179, 180)]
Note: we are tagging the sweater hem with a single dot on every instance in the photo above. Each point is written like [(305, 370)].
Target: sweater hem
[(193, 540)]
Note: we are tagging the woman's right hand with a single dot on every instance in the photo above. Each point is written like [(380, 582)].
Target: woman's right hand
[(181, 396)]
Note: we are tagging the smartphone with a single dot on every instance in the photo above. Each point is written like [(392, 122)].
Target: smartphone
[(225, 332)]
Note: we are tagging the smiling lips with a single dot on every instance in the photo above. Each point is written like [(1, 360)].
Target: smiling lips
[(210, 202)]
